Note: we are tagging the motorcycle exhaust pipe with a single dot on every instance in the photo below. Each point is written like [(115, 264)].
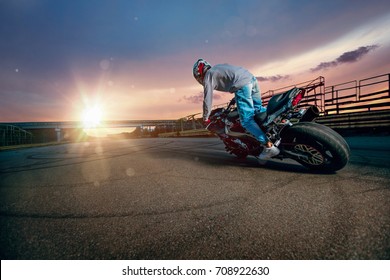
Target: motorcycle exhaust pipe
[(310, 114)]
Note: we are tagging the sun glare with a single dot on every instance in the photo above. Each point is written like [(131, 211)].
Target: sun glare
[(92, 117)]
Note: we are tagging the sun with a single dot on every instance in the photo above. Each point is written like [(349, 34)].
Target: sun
[(92, 116)]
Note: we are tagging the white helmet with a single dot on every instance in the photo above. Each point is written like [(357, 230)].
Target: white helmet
[(199, 69)]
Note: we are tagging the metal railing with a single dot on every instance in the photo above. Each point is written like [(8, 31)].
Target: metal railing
[(13, 135), (358, 96), (362, 105)]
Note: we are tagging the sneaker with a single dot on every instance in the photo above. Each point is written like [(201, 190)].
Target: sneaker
[(269, 152)]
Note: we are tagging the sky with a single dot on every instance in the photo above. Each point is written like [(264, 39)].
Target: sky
[(133, 59)]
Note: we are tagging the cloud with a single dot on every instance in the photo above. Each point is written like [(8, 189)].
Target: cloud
[(198, 98), (274, 78), (347, 57), (194, 99)]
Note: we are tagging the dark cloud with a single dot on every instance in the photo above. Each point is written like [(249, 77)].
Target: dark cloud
[(347, 57), (272, 78)]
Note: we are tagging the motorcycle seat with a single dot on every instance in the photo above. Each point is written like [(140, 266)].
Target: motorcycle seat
[(278, 101)]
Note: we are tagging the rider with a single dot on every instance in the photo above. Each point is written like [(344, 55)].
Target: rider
[(237, 80)]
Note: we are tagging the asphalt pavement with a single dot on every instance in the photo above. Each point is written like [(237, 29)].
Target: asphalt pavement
[(186, 198)]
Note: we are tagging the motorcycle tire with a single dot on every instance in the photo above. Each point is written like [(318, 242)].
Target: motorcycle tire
[(322, 148)]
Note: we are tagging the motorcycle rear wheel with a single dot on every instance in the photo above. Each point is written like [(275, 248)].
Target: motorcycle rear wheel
[(317, 147)]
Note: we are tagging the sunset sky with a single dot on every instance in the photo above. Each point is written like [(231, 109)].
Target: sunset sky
[(133, 59)]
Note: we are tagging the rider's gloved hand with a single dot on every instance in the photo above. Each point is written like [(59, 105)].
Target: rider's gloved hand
[(206, 122)]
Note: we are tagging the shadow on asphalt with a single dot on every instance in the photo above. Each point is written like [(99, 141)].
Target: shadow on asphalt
[(219, 159)]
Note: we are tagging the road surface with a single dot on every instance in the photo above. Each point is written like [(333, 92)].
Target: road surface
[(186, 198)]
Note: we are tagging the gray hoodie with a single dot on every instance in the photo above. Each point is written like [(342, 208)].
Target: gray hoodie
[(223, 77)]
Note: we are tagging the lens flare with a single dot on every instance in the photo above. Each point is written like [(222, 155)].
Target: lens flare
[(92, 117)]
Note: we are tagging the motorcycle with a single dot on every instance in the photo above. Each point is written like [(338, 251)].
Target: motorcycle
[(291, 128)]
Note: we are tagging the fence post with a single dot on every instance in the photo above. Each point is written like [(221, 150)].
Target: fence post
[(193, 124), (388, 86), (332, 94)]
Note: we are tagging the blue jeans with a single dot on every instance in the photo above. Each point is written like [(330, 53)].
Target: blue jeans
[(248, 100)]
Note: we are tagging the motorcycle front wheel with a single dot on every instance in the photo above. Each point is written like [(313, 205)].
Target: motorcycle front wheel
[(315, 146)]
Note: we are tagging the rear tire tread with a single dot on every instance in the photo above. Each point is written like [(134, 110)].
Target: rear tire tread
[(319, 133)]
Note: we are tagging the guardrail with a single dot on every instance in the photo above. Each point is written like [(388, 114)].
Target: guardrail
[(187, 133)]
